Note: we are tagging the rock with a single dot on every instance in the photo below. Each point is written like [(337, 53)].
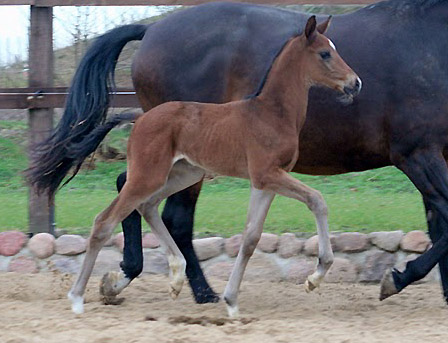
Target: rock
[(11, 242), (415, 241), (389, 241), (119, 241), (311, 247), (155, 262), (42, 245), (65, 265), (220, 270), (23, 264), (268, 242), (375, 264), (70, 245), (342, 270), (289, 245), (207, 248), (150, 241), (108, 260), (350, 242), (4, 263), (299, 269), (232, 245)]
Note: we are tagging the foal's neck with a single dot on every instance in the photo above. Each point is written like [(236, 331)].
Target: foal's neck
[(286, 88)]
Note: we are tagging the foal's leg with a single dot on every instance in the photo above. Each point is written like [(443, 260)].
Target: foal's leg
[(284, 184), (182, 175), (105, 222), (259, 204)]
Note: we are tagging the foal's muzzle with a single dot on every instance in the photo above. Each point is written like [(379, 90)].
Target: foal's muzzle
[(351, 91)]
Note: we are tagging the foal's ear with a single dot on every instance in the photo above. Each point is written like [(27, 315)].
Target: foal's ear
[(310, 29), (322, 28)]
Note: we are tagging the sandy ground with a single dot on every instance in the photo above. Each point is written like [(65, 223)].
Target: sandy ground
[(33, 308)]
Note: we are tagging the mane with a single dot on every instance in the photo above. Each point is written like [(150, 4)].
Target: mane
[(265, 77), (408, 5)]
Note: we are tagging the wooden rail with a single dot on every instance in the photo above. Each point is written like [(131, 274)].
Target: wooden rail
[(53, 3), (41, 97)]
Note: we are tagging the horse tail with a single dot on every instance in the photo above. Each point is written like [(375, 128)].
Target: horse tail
[(86, 107)]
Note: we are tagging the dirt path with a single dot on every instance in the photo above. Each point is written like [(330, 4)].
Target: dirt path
[(33, 308)]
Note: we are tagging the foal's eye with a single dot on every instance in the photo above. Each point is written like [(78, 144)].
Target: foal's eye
[(325, 55)]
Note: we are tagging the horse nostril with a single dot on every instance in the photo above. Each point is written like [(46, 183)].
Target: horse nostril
[(358, 84)]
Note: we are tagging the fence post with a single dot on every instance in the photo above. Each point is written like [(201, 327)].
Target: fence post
[(41, 208)]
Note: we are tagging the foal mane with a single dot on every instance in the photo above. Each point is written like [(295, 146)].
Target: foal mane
[(265, 77)]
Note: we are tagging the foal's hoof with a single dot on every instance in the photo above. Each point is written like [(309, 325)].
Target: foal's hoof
[(309, 286), (77, 303), (387, 285), (111, 285)]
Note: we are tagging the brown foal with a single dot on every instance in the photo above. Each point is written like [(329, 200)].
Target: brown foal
[(173, 145)]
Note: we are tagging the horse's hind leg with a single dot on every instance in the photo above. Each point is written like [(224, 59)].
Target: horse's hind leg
[(428, 170), (182, 175), (260, 201), (114, 282), (104, 223)]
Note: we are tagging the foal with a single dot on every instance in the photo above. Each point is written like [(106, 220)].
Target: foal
[(172, 146)]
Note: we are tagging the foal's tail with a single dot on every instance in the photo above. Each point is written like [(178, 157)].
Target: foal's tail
[(86, 108)]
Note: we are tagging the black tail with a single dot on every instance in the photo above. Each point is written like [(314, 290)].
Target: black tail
[(85, 109)]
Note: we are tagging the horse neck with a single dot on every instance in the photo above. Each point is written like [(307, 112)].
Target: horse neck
[(286, 88)]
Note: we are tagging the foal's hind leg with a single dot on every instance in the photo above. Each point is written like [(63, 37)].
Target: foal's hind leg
[(182, 175), (260, 201), (104, 224), (284, 184)]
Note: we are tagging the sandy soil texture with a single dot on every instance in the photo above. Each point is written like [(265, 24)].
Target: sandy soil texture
[(34, 308)]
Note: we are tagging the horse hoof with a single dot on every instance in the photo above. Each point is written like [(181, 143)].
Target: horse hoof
[(387, 285), (111, 284), (174, 292), (77, 303), (207, 298), (309, 286)]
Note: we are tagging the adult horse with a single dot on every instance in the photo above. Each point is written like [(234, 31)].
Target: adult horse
[(219, 52)]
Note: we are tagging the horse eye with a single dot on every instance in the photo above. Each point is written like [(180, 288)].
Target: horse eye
[(325, 55)]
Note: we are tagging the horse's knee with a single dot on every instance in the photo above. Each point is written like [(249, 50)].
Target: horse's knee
[(121, 180), (250, 242), (101, 232)]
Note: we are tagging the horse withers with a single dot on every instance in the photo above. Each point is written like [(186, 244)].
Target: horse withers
[(173, 145)]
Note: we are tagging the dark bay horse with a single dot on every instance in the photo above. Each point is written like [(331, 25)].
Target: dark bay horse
[(398, 48), (173, 146)]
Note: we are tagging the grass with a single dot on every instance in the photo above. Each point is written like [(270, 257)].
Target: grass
[(381, 199)]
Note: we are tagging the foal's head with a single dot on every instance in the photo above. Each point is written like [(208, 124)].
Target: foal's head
[(323, 64)]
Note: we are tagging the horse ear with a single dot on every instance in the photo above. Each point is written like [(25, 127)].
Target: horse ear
[(322, 28), (310, 29)]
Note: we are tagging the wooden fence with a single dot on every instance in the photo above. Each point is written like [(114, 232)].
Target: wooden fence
[(40, 98)]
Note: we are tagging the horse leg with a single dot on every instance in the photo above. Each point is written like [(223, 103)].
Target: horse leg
[(259, 204), (181, 176), (428, 171), (104, 223), (284, 184), (178, 216), (436, 226), (113, 282)]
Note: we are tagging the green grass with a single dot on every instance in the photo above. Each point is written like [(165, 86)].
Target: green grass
[(381, 199)]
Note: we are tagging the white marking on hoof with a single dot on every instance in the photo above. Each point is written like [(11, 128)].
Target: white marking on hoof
[(113, 283), (77, 303), (177, 273), (233, 311), (312, 282)]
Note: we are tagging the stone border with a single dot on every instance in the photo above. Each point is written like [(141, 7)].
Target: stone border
[(358, 257)]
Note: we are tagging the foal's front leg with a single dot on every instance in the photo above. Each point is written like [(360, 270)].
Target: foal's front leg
[(260, 201), (284, 184)]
